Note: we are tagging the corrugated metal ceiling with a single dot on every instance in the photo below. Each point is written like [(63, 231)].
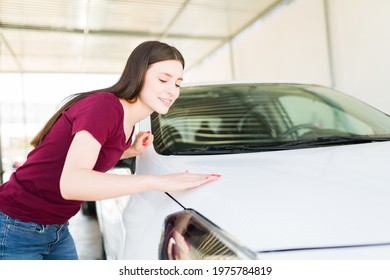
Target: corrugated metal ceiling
[(97, 36)]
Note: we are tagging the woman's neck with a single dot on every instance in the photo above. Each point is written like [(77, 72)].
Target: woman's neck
[(134, 112)]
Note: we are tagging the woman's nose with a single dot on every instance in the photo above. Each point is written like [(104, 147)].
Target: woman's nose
[(173, 90)]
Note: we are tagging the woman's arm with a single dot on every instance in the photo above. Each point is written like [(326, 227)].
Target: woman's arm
[(79, 182)]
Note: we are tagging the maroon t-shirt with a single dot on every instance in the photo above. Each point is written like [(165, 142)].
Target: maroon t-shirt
[(32, 193)]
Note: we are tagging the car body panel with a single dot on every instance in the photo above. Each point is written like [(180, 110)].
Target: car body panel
[(293, 199)]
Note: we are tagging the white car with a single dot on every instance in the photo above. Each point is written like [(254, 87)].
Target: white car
[(304, 176)]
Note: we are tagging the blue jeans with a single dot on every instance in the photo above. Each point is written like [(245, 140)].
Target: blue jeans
[(30, 241)]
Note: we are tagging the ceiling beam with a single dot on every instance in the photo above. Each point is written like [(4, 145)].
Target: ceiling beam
[(176, 16), (109, 32), (14, 56)]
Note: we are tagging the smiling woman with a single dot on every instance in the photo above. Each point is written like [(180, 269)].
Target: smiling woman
[(84, 139)]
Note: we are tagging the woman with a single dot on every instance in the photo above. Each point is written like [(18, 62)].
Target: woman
[(84, 139)]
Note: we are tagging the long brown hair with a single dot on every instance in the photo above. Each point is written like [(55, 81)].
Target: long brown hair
[(129, 84)]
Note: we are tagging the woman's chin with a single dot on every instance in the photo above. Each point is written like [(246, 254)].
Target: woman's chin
[(162, 111)]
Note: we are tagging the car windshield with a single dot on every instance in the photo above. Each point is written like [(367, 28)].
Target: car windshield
[(264, 117)]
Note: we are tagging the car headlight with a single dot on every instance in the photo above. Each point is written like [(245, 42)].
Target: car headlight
[(188, 235)]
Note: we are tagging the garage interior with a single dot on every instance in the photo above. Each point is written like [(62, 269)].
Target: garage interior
[(51, 49)]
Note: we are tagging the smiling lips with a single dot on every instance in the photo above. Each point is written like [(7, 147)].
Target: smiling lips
[(166, 102)]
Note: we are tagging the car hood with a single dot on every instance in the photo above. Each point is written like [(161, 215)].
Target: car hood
[(307, 198)]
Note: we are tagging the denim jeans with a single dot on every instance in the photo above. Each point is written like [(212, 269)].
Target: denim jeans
[(30, 241)]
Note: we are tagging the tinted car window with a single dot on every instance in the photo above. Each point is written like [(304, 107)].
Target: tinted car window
[(261, 117)]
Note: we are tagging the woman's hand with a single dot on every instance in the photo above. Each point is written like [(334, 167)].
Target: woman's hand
[(182, 181), (141, 142)]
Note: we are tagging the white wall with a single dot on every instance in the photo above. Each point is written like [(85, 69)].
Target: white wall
[(285, 47), (291, 45), (288, 45), (361, 48)]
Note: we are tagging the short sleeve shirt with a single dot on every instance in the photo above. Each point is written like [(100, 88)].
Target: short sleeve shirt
[(33, 193)]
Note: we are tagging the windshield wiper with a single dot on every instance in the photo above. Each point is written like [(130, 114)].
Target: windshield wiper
[(223, 149), (278, 146), (333, 140)]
